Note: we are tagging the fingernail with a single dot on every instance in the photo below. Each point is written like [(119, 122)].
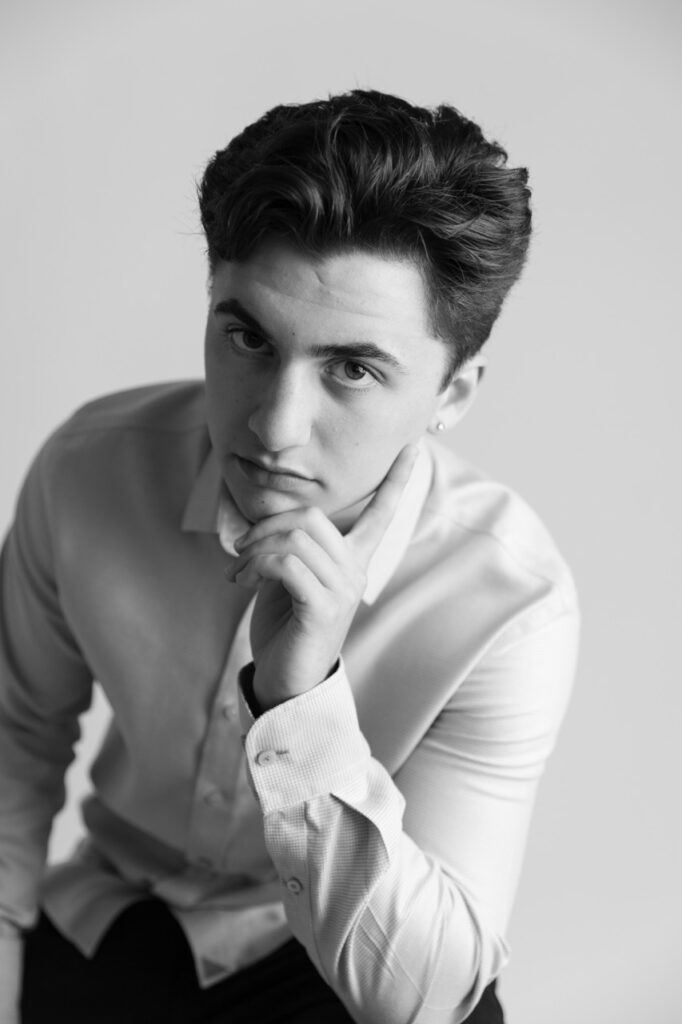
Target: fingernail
[(239, 542)]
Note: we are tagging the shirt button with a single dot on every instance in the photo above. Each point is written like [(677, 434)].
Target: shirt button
[(214, 798), (294, 886), (265, 757)]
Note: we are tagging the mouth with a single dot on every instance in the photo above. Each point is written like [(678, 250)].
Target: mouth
[(280, 478)]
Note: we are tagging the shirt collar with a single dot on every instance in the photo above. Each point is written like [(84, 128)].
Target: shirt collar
[(210, 509)]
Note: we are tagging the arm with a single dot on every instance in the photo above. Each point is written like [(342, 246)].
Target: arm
[(400, 890), (44, 686)]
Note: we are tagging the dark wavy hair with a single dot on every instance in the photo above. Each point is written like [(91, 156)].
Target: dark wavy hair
[(369, 171)]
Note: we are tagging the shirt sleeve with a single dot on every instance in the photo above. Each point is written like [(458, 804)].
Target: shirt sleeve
[(44, 686), (398, 888)]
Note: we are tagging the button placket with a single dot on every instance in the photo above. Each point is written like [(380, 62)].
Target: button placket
[(215, 813)]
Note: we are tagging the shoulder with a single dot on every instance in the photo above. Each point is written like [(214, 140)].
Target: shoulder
[(137, 421), (142, 445), (492, 533), (167, 408)]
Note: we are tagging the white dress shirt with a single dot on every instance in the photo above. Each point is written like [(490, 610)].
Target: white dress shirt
[(380, 818)]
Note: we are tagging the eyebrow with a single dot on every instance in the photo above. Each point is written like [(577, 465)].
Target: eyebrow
[(348, 350)]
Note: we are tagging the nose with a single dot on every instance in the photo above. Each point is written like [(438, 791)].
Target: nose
[(283, 416)]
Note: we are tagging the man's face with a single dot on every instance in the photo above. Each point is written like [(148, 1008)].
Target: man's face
[(318, 372)]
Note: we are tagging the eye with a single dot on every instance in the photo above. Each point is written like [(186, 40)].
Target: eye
[(354, 371), (246, 341), (352, 374)]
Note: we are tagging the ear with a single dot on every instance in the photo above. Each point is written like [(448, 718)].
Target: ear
[(458, 397)]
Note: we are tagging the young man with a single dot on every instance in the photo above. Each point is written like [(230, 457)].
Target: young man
[(337, 657)]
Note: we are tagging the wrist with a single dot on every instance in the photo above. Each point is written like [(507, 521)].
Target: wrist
[(263, 694)]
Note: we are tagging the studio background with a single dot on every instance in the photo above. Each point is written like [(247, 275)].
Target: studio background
[(109, 112)]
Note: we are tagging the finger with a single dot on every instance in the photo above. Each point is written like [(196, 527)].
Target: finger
[(287, 569), (295, 542), (311, 520), (373, 522)]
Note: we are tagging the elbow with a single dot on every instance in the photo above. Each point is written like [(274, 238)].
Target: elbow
[(467, 964), (435, 975)]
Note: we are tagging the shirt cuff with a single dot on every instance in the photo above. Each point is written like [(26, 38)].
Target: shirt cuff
[(306, 747), (249, 707)]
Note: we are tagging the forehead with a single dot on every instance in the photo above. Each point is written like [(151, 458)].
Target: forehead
[(349, 291)]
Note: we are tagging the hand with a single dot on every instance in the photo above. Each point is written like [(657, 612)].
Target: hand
[(310, 581)]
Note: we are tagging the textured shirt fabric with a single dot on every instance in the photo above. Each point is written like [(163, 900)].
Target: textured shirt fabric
[(380, 818)]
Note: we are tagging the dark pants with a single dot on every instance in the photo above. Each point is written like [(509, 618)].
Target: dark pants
[(143, 973)]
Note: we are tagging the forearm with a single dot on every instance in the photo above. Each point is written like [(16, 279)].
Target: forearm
[(386, 926), (33, 760), (388, 929)]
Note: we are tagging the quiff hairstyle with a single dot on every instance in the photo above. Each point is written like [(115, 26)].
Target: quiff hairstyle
[(370, 172)]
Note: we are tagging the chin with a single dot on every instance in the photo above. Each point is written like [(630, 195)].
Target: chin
[(255, 507)]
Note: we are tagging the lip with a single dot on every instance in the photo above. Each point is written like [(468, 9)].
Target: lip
[(281, 478)]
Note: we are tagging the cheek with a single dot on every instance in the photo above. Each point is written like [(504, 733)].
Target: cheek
[(390, 425), (367, 445), (228, 401)]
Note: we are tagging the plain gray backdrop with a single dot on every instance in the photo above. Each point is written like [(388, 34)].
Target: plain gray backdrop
[(109, 111)]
